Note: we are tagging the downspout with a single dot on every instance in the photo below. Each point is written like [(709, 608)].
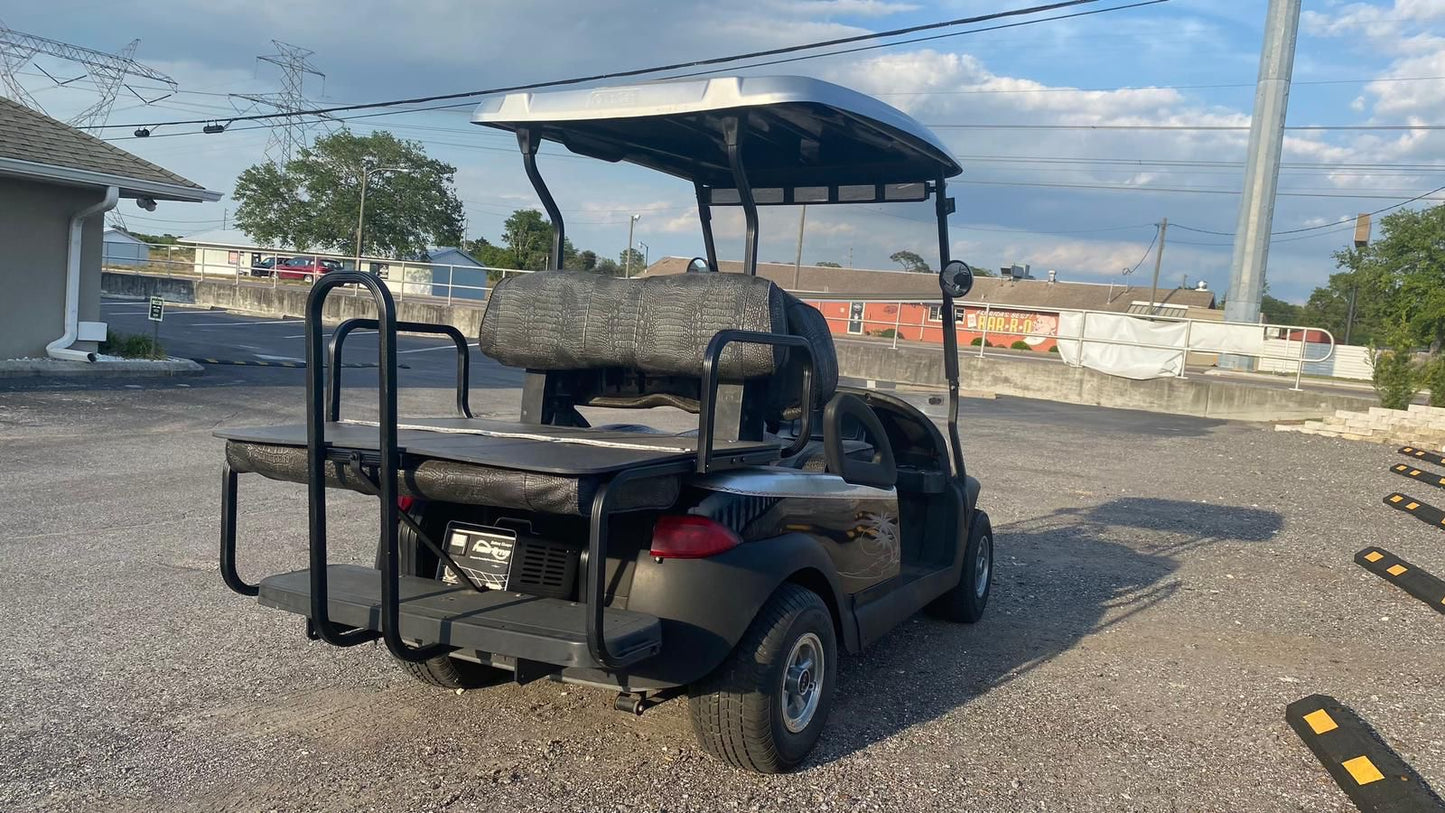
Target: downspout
[(60, 348)]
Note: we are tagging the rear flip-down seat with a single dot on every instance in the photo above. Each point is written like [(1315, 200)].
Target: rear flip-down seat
[(476, 461)]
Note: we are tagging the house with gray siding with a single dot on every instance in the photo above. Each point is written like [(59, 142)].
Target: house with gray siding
[(56, 183)]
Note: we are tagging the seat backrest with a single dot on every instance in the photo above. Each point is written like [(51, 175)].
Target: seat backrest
[(588, 339), (568, 320)]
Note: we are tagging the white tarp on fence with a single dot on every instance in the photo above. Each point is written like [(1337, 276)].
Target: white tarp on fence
[(1222, 337), (1162, 358)]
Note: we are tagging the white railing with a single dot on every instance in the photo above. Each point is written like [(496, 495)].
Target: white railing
[(919, 320), (249, 266)]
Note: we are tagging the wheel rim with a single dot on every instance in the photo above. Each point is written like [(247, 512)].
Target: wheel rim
[(802, 682), (982, 565)]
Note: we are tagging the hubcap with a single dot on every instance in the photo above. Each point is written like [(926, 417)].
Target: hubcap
[(982, 564), (802, 682)]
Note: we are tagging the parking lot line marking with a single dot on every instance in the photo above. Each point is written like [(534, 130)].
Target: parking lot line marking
[(1421, 454), (1369, 772), (242, 324), (1404, 575), (438, 347), (1395, 498), (1363, 770)]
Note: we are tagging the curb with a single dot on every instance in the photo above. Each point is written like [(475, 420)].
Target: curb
[(125, 368)]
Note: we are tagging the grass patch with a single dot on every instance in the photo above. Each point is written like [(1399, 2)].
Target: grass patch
[(131, 346)]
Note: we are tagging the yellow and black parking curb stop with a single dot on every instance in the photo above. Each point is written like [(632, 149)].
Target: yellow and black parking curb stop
[(298, 365), (1422, 454), (1407, 470), (1426, 513), (1375, 778), (243, 363), (1418, 583)]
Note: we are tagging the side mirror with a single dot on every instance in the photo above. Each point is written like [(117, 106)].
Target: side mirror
[(698, 266), (956, 279)]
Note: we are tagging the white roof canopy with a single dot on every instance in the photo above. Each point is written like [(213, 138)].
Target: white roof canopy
[(794, 131)]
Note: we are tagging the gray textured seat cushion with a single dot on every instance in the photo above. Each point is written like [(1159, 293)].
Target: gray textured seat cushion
[(464, 483), (567, 320)]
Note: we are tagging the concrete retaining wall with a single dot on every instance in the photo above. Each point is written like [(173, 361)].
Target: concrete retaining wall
[(1023, 378), (287, 300), (1052, 381)]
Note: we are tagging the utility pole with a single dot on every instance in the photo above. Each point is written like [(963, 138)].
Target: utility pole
[(627, 263), (225, 213), (1261, 169), (1158, 261), (798, 261)]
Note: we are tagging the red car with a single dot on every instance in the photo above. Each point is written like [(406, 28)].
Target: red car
[(305, 268)]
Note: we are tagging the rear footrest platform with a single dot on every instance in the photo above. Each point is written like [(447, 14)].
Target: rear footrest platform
[(548, 630)]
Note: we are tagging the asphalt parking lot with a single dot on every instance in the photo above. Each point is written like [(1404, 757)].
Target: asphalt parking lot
[(1165, 587)]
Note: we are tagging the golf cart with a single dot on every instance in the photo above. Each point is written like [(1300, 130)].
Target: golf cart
[(732, 562)]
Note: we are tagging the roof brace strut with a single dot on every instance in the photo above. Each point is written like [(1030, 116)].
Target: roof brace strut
[(529, 145), (745, 194)]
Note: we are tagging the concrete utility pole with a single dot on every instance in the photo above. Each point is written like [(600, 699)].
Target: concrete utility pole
[(798, 261), (1158, 261), (1261, 173)]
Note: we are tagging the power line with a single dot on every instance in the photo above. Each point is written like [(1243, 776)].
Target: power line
[(1195, 190), (1381, 210), (643, 71), (1190, 127), (968, 91), (1146, 251)]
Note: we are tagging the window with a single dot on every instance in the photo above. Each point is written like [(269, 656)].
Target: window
[(855, 317), (935, 313)]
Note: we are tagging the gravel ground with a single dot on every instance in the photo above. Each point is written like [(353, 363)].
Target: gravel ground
[(1165, 587)]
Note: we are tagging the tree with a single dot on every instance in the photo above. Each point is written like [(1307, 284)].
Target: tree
[(312, 202), (910, 261), (1280, 312), (636, 265), (1398, 280), (826, 264)]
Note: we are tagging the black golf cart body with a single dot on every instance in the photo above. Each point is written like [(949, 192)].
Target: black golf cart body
[(788, 479)]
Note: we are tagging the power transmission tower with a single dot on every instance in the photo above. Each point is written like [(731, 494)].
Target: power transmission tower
[(106, 72), (292, 132)]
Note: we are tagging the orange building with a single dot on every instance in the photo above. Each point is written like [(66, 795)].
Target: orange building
[(861, 302)]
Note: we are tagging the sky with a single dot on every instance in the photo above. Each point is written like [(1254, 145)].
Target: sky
[(1083, 202)]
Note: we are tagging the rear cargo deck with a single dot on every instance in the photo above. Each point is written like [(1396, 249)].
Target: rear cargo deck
[(496, 621)]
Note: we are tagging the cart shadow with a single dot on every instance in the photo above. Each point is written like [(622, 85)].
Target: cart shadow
[(1058, 578)]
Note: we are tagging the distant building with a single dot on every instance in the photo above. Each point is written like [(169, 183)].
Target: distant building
[(860, 301), (121, 248), (55, 184)]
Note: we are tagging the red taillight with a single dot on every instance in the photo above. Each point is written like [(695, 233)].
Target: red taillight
[(405, 503), (690, 537)]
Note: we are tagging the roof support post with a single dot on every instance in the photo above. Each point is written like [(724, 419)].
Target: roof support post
[(942, 208), (732, 136), (529, 146), (704, 215)]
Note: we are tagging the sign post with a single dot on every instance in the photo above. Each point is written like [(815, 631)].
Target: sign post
[(156, 314)]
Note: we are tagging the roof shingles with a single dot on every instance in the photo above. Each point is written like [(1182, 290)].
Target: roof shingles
[(26, 135)]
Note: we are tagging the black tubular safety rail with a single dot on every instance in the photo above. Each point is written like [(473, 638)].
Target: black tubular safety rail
[(229, 575), (338, 338), (387, 461), (707, 402), (596, 573)]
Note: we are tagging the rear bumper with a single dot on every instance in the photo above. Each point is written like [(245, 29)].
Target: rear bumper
[(544, 630)]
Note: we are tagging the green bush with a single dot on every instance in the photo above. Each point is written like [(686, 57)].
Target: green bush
[(977, 341), (1053, 348), (1396, 377), (885, 333), (1020, 344), (131, 346), (1434, 379)]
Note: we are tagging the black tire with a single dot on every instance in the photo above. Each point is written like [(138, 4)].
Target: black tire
[(738, 712), (966, 601), (416, 559)]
